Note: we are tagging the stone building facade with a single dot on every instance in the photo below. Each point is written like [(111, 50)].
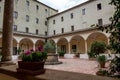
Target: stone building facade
[(70, 30)]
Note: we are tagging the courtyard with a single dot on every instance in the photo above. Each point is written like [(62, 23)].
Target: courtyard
[(79, 69), (77, 65)]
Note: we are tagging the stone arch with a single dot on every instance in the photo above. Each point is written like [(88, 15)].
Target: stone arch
[(96, 36), (26, 44), (63, 45), (39, 43), (77, 44)]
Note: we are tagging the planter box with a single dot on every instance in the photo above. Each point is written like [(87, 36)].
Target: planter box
[(31, 68)]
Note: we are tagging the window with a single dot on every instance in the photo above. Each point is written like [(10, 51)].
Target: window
[(71, 15), (54, 32), (100, 22), (15, 14), (27, 18), (72, 28), (53, 21), (37, 20), (46, 33), (46, 11), (0, 8), (83, 11), (15, 27), (37, 7), (99, 7), (27, 3), (62, 19), (74, 48), (37, 31), (46, 23), (27, 29), (62, 30)]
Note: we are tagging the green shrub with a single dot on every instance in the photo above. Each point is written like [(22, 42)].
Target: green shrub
[(61, 53), (101, 58), (91, 54), (98, 47)]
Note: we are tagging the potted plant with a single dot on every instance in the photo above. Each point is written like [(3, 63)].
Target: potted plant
[(32, 62), (101, 59)]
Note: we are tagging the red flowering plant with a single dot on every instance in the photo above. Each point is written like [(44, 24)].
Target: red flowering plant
[(34, 55)]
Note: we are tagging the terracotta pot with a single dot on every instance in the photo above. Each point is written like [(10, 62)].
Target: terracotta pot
[(102, 64), (99, 73), (31, 65), (31, 68)]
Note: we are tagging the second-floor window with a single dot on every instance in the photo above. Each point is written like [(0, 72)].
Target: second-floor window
[(72, 28), (54, 32), (0, 8), (45, 23), (27, 3), (46, 11), (99, 7), (37, 20), (37, 32), (37, 7), (62, 19), (53, 21), (71, 15), (27, 18), (15, 27), (62, 30), (83, 11), (15, 14), (27, 29)]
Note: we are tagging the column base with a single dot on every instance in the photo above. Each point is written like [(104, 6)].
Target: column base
[(6, 63), (69, 55)]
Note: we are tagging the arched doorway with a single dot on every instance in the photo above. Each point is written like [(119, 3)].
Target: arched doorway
[(26, 44), (62, 45), (77, 44), (39, 43)]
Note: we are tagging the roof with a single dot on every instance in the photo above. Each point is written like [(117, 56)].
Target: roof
[(45, 5), (72, 8)]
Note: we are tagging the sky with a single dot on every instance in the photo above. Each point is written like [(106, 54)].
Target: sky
[(62, 4)]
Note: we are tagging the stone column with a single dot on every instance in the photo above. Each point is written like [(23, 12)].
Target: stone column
[(86, 47), (33, 46), (17, 48), (69, 50), (56, 48), (7, 40)]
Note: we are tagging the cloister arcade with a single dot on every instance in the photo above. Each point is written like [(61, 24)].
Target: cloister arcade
[(74, 43), (79, 43)]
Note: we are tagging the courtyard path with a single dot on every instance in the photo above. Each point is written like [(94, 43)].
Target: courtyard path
[(76, 65)]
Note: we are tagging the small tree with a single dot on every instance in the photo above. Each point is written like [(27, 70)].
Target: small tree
[(98, 47)]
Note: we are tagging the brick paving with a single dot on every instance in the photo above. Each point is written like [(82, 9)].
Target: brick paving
[(76, 65)]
